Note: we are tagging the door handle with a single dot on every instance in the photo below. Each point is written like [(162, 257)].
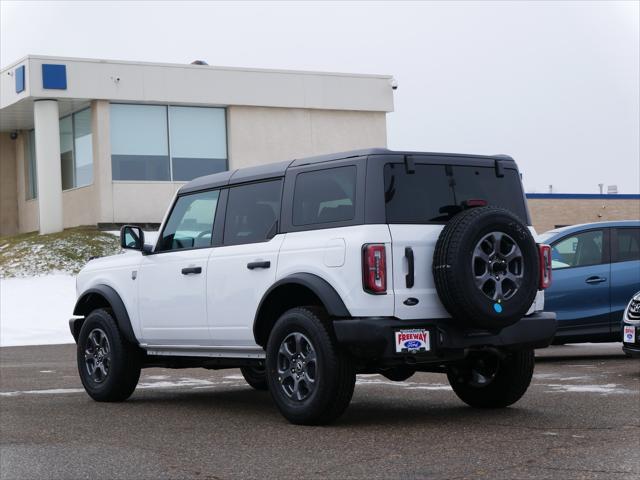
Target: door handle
[(191, 270), (595, 279), (410, 277), (261, 264)]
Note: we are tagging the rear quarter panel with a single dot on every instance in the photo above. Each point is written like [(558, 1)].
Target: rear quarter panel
[(335, 255)]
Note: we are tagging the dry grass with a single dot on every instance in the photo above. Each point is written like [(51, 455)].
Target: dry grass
[(31, 254)]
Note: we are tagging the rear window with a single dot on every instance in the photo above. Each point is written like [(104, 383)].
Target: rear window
[(435, 193)]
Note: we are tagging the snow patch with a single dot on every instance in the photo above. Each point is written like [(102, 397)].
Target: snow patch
[(36, 310), (606, 389)]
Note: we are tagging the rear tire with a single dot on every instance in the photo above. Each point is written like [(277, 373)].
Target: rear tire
[(256, 377), (488, 381), (310, 378), (108, 365)]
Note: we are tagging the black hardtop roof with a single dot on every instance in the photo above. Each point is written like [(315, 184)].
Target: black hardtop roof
[(274, 170)]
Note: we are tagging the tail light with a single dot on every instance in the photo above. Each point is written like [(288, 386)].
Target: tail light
[(374, 268), (544, 252)]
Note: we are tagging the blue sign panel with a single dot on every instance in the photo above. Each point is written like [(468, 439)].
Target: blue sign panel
[(19, 74), (54, 77)]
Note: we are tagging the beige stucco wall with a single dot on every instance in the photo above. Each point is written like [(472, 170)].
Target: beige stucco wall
[(547, 213), (8, 190), (142, 202), (79, 206), (258, 135)]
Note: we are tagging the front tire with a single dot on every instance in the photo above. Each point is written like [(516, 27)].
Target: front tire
[(485, 380), (108, 365), (310, 378)]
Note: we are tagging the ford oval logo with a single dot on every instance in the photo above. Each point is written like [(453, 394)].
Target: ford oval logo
[(412, 344)]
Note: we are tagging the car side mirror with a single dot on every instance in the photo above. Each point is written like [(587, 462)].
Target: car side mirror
[(132, 238)]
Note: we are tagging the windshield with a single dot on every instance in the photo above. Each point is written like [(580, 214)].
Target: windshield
[(435, 193)]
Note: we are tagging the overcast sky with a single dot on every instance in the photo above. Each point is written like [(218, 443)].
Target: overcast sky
[(554, 85)]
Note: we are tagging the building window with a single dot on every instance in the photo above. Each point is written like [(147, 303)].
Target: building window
[(76, 151), (30, 171), (160, 143), (198, 141), (139, 144)]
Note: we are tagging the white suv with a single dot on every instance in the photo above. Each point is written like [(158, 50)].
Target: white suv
[(306, 272)]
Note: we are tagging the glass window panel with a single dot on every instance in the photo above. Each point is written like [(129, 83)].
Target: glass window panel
[(83, 148), (435, 193), (139, 143), (325, 196), (628, 245), (190, 224), (578, 250), (198, 132), (66, 152), (31, 179), (198, 141), (252, 212)]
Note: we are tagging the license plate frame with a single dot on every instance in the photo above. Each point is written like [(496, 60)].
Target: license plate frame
[(412, 340), (629, 334)]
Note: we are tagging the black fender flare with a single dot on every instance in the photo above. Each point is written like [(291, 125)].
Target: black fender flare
[(320, 287), (84, 306)]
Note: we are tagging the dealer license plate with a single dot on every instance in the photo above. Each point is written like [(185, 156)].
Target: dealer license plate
[(629, 334), (412, 341)]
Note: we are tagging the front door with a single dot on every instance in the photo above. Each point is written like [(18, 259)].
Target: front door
[(579, 293), (172, 280)]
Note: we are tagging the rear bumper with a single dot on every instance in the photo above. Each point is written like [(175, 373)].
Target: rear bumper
[(374, 338)]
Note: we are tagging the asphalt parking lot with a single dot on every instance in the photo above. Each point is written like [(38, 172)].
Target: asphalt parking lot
[(580, 419)]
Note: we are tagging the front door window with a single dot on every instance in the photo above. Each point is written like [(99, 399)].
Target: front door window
[(190, 224)]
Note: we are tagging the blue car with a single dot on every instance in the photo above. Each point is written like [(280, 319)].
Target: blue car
[(596, 271)]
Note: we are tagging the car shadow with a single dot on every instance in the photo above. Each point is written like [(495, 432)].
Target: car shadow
[(362, 412)]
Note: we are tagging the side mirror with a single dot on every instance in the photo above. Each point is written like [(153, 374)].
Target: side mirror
[(132, 237)]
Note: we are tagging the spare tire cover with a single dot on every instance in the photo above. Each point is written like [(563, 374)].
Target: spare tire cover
[(485, 267)]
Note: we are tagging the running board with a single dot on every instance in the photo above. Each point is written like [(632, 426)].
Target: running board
[(203, 351)]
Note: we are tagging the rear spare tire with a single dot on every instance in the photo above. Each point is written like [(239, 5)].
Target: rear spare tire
[(485, 267)]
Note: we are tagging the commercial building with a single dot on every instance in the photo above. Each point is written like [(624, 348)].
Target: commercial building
[(86, 142), (551, 210)]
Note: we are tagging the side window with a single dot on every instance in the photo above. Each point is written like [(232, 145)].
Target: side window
[(628, 245), (190, 224), (325, 196), (252, 212), (578, 250)]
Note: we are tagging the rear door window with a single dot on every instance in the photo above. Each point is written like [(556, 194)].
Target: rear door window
[(325, 196), (628, 245), (253, 211), (435, 193)]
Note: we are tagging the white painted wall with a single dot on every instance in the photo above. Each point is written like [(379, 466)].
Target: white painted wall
[(46, 117), (199, 84)]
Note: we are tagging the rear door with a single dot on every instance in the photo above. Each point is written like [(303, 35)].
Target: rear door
[(244, 267), (579, 292), (419, 200), (625, 271)]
